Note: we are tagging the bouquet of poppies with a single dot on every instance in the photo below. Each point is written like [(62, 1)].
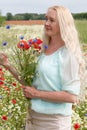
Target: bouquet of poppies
[(25, 58)]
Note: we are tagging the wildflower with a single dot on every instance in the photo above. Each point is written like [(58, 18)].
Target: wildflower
[(45, 46), (35, 41), (6, 88), (1, 83), (14, 101), (36, 46), (4, 118), (39, 41), (14, 84), (0, 69), (1, 73), (4, 43), (23, 45), (76, 126), (8, 27), (21, 37), (1, 78)]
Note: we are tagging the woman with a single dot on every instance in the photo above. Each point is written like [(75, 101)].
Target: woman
[(59, 74)]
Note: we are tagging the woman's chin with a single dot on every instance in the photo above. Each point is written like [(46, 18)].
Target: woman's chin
[(48, 34)]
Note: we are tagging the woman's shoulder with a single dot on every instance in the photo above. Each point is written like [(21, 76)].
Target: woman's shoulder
[(66, 52), (67, 55)]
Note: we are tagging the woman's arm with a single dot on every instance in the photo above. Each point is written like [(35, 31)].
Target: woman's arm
[(52, 96), (57, 96), (5, 63), (14, 72)]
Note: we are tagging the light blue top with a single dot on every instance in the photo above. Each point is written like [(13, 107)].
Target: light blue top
[(56, 72)]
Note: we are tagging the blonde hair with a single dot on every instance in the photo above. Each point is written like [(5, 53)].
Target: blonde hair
[(69, 35)]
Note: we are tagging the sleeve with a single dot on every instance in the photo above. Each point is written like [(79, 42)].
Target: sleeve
[(70, 75)]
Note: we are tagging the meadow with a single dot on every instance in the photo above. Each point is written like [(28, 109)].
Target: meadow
[(13, 105), (81, 26)]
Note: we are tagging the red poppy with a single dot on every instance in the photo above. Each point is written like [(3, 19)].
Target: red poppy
[(4, 118), (1, 83), (76, 126), (36, 46), (14, 101), (35, 41), (23, 45), (14, 84), (1, 78), (39, 41), (6, 88), (1, 73), (0, 69)]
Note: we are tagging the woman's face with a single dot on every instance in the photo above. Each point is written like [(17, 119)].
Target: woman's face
[(51, 23)]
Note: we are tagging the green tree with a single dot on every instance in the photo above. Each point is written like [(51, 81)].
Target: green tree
[(2, 19), (9, 16)]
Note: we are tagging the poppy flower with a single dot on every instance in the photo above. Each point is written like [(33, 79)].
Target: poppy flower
[(1, 80), (36, 46), (76, 126), (14, 84), (35, 41), (4, 118), (14, 101), (1, 83), (1, 73), (0, 69), (39, 41), (6, 88), (23, 45)]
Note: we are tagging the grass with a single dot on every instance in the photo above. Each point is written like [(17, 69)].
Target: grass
[(81, 26)]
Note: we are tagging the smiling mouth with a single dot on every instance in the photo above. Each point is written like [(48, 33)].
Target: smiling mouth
[(48, 29)]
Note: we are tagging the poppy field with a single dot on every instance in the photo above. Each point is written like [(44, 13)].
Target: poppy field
[(13, 104)]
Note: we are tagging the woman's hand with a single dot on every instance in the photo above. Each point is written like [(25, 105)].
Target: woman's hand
[(30, 92), (3, 59)]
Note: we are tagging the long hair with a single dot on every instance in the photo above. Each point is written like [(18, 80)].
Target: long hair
[(70, 37)]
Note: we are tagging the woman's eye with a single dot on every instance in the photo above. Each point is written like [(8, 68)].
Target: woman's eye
[(51, 20)]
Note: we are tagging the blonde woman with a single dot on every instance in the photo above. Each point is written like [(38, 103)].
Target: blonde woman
[(60, 71)]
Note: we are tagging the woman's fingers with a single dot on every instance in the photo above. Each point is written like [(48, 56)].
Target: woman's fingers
[(23, 87), (29, 91), (3, 59)]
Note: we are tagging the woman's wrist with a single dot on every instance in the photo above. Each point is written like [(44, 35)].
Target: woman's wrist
[(36, 94)]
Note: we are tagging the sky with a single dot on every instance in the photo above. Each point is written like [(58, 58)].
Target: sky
[(40, 6)]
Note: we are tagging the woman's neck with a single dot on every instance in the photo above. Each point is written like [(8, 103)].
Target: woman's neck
[(56, 41)]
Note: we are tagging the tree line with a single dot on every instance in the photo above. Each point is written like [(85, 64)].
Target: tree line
[(25, 16), (34, 16)]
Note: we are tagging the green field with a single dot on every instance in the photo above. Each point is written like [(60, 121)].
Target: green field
[(81, 26)]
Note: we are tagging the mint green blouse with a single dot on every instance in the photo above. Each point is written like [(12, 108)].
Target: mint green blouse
[(56, 72)]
